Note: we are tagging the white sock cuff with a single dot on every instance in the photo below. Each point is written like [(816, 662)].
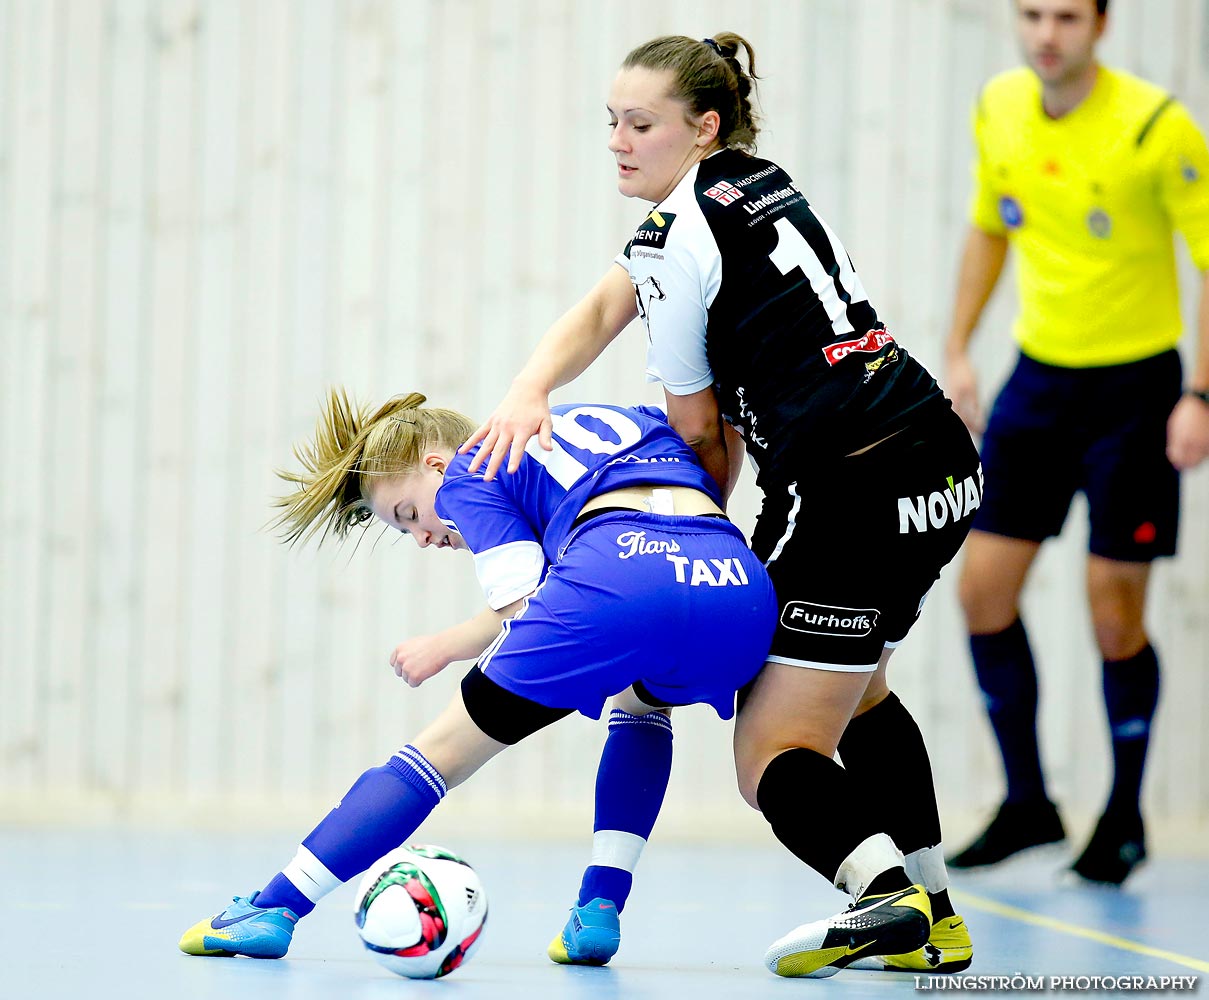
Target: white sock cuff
[(872, 856), (926, 867), (617, 849), (618, 717), (411, 760), (310, 875)]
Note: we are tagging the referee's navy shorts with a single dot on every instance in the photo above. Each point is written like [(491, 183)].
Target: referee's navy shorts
[(1055, 431), (853, 547)]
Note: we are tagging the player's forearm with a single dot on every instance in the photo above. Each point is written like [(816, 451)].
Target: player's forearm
[(467, 640), (578, 337), (982, 260), (697, 419), (1198, 375), (565, 351), (711, 451), (736, 449), (701, 427)]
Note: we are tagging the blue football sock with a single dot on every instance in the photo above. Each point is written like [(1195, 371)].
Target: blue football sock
[(282, 892), (630, 784), (1007, 675), (382, 809), (1131, 693)]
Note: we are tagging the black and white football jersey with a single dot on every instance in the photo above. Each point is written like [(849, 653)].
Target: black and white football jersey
[(743, 287)]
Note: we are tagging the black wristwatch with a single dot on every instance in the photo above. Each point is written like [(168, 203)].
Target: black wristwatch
[(1201, 394)]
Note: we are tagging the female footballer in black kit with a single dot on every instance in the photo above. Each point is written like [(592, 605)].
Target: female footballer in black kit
[(763, 337)]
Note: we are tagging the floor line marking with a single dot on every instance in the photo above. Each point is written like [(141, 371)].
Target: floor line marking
[(1028, 917)]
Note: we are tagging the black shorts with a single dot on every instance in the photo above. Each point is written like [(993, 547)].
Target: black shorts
[(853, 547), (1103, 431)]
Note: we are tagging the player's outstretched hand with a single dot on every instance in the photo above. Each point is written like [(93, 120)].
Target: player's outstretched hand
[(417, 659), (525, 411), (1188, 433), (961, 386)]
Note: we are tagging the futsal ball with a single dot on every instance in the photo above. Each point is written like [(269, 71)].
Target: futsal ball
[(420, 911)]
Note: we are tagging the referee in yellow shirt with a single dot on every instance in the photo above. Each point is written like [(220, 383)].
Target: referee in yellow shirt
[(1086, 171)]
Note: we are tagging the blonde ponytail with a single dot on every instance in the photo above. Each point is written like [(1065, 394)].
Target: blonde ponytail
[(352, 446)]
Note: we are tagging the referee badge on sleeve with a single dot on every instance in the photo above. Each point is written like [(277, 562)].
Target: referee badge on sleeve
[(1010, 212), (1099, 223)]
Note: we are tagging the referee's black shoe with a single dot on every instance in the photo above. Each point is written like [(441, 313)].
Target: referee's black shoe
[(1116, 848), (1017, 826)]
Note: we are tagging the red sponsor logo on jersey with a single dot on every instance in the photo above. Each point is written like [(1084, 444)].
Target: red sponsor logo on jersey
[(724, 193), (870, 343)]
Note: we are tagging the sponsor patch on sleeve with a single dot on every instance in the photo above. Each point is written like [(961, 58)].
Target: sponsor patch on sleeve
[(653, 232)]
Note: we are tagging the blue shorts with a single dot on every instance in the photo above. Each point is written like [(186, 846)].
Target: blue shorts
[(677, 603), (1103, 431)]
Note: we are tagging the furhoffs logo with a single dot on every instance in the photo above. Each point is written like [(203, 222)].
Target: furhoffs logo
[(825, 619)]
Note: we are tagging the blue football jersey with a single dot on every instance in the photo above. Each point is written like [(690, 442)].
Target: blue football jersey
[(516, 524)]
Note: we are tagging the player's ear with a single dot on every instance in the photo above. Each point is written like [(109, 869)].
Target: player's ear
[(435, 460)]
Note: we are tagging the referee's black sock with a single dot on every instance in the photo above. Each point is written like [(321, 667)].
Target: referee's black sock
[(1131, 693), (1007, 675), (794, 786)]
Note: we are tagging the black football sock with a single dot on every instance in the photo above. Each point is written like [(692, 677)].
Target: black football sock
[(1007, 675), (794, 786), (884, 752), (1131, 693)]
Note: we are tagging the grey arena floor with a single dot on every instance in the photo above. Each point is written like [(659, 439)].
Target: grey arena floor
[(98, 914)]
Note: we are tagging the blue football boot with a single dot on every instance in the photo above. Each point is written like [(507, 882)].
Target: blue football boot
[(243, 928), (591, 937)]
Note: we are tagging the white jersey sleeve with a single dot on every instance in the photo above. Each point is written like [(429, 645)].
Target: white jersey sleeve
[(676, 268), (509, 572), (508, 557)]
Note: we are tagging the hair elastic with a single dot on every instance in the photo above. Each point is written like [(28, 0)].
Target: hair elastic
[(713, 45)]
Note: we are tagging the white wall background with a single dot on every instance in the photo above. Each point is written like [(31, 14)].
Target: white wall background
[(210, 210)]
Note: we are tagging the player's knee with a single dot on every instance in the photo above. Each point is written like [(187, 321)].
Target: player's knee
[(875, 693), (632, 702), (1118, 621), (987, 606), (1119, 636), (748, 771), (749, 786)]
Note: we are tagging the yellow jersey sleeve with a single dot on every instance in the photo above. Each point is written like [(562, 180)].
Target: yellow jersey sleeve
[(984, 200), (1182, 166)]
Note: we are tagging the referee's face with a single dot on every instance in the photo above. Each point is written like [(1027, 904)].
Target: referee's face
[(650, 134), (1059, 37)]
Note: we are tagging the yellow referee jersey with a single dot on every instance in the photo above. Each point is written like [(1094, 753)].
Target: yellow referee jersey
[(1089, 202)]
